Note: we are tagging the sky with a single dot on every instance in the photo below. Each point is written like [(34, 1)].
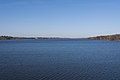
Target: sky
[(59, 18)]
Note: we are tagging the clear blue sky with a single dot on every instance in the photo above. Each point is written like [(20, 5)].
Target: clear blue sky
[(62, 18)]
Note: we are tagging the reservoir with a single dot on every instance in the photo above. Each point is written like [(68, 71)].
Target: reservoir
[(59, 59)]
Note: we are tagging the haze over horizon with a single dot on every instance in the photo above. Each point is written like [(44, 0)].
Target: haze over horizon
[(59, 18)]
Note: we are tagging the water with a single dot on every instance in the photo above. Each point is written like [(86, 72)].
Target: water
[(59, 60)]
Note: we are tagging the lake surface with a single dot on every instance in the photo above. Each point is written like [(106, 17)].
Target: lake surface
[(59, 60)]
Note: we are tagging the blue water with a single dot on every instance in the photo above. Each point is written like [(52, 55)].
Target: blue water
[(59, 60)]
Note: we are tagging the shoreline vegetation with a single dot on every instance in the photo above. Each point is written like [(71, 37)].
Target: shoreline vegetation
[(17, 38), (107, 37)]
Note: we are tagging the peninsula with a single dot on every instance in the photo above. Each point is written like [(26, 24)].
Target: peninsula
[(107, 37)]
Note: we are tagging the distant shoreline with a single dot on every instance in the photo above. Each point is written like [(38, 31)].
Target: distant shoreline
[(106, 37), (19, 38)]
